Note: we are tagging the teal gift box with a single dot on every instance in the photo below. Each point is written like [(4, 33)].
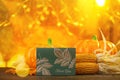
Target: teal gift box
[(55, 61)]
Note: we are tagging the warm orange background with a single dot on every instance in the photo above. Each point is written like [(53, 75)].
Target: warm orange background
[(30, 23)]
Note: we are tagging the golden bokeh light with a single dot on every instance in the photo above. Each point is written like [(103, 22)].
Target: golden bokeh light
[(15, 60), (100, 2), (22, 70), (119, 1), (64, 22)]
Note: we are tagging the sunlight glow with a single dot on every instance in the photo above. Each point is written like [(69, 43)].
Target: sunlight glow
[(100, 2), (15, 60), (2, 63)]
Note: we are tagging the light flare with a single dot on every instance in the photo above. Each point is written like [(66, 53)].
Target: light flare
[(100, 2), (15, 60)]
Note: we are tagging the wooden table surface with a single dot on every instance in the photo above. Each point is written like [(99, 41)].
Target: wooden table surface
[(4, 76)]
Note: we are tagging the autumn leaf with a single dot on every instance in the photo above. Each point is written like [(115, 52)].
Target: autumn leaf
[(65, 63), (67, 55), (63, 58), (41, 61), (45, 72), (43, 65), (72, 64), (47, 65), (58, 53), (58, 61), (39, 68)]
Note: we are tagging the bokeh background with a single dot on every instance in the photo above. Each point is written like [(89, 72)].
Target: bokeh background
[(25, 24)]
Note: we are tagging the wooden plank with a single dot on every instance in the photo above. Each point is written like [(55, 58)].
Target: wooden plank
[(4, 76)]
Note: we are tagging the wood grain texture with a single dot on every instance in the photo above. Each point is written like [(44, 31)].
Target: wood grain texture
[(4, 76)]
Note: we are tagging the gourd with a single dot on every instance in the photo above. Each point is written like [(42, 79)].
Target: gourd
[(86, 57), (87, 68), (30, 58), (86, 63), (86, 46), (89, 46)]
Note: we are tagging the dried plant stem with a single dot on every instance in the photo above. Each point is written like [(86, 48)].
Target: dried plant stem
[(104, 40)]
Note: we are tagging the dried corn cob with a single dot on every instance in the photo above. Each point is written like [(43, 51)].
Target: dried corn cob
[(86, 58), (86, 68)]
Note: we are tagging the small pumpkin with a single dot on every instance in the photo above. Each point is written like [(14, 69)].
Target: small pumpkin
[(86, 46), (89, 46), (30, 58)]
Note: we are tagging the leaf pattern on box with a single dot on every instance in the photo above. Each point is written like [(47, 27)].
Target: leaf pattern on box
[(58, 53), (72, 63), (67, 55), (58, 61), (64, 58), (43, 60), (45, 72), (43, 65)]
